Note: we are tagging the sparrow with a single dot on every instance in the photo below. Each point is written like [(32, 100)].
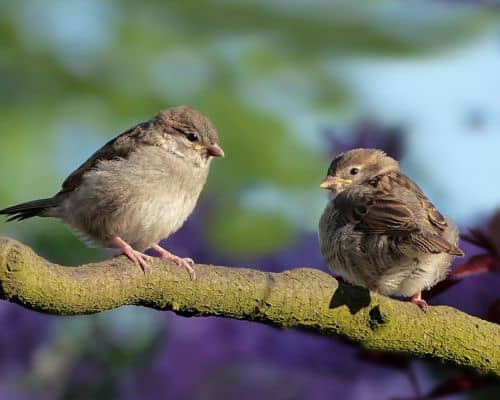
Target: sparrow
[(137, 189), (380, 231)]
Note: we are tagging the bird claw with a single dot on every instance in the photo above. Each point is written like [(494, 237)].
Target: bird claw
[(138, 258), (417, 299), (422, 304), (190, 261), (186, 263)]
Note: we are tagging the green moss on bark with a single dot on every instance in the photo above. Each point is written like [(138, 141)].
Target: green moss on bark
[(302, 298)]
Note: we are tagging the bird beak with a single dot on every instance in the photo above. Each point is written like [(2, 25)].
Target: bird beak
[(333, 183), (215, 150)]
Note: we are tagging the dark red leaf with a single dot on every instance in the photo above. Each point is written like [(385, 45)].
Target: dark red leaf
[(480, 239), (389, 360), (494, 312), (477, 265), (462, 383), (458, 384)]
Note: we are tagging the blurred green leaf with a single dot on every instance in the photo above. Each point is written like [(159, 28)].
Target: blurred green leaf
[(240, 232)]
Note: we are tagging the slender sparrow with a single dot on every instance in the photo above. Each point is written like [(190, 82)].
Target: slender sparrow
[(138, 188)]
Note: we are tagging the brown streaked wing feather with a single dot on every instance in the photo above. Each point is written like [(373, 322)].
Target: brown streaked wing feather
[(428, 243), (119, 147), (377, 212), (381, 213), (435, 217)]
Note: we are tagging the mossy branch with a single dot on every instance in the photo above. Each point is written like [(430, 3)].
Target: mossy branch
[(302, 298)]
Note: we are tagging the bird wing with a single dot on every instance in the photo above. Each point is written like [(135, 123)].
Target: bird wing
[(119, 147), (376, 212), (381, 212), (435, 217), (432, 243)]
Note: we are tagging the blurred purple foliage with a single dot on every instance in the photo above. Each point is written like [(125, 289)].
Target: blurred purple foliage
[(214, 358), (18, 345), (22, 334), (368, 134)]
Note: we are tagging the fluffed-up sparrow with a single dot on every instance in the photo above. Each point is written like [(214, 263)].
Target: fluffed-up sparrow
[(380, 231)]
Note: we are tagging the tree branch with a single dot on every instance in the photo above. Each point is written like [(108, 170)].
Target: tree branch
[(301, 298)]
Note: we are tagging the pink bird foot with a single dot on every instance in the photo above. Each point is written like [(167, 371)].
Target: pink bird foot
[(181, 262), (417, 299), (138, 258)]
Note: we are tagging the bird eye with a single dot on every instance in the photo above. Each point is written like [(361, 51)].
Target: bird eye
[(354, 171), (192, 137)]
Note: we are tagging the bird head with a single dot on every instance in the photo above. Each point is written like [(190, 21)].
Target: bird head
[(357, 167), (191, 133)]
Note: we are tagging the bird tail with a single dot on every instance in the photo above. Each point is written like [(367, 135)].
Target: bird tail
[(35, 208)]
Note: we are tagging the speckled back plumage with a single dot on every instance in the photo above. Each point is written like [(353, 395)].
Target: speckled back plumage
[(380, 231)]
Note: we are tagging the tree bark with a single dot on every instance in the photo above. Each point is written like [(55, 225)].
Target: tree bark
[(301, 298)]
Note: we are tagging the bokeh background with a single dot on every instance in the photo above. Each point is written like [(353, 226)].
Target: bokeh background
[(288, 84)]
